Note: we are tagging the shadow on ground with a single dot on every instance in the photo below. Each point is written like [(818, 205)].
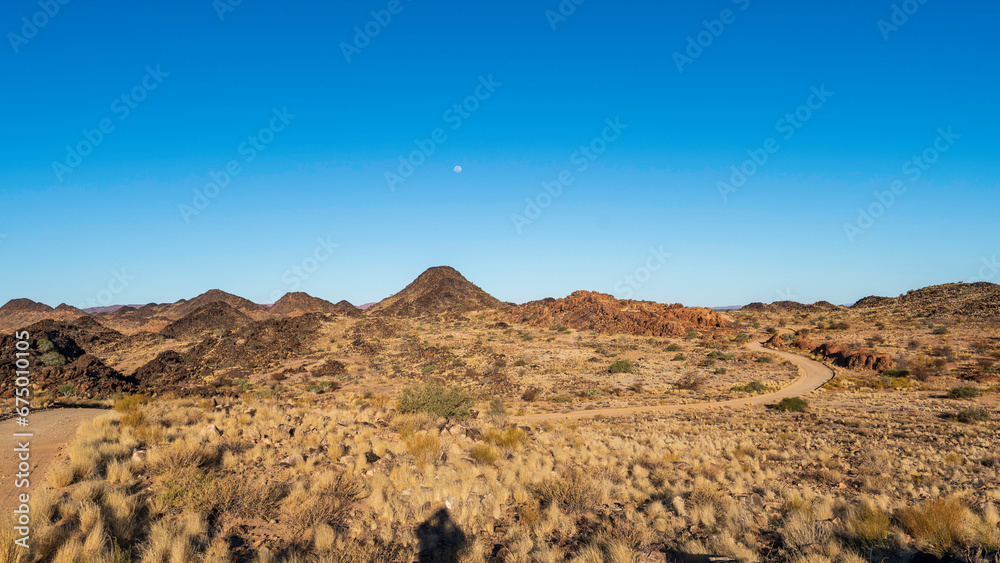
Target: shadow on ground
[(441, 540)]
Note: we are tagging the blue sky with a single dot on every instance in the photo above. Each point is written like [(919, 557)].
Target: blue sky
[(646, 217)]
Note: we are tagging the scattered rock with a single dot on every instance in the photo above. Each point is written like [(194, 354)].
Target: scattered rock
[(210, 431)]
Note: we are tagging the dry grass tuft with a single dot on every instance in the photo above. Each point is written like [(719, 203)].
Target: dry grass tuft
[(938, 525)]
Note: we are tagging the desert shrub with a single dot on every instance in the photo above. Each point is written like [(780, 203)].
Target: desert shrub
[(752, 387), (765, 359), (792, 404), (53, 358), (897, 372), (691, 334), (530, 394), (673, 348), (936, 525), (969, 416), (497, 409), (562, 398), (484, 453), (690, 382), (511, 438), (788, 337), (621, 366), (520, 363), (66, 389), (44, 345), (963, 392), (437, 400), (742, 337), (428, 369), (716, 355), (720, 371), (573, 491), (322, 387), (130, 403), (942, 351), (839, 326), (835, 382), (679, 358), (940, 330)]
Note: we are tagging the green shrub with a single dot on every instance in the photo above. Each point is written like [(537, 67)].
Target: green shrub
[(436, 399), (520, 363), (742, 337), (940, 330), (792, 404), (720, 356), (428, 368), (679, 358), (66, 389), (673, 348), (963, 392), (968, 416), (44, 345), (53, 358), (621, 366), (752, 387)]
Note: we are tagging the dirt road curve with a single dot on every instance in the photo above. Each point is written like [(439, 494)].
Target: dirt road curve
[(812, 375), (53, 431)]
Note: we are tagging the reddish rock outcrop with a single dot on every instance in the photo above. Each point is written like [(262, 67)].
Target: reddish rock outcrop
[(590, 310), (837, 353)]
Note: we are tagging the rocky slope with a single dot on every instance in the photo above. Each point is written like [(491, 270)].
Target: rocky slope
[(589, 310), (441, 290), (299, 302), (980, 300), (216, 316)]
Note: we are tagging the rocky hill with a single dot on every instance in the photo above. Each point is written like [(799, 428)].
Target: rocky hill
[(441, 290), (299, 302), (215, 316), (791, 307), (980, 300), (589, 310), (19, 313)]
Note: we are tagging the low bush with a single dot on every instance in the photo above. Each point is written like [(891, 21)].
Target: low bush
[(53, 358), (973, 415), (621, 366), (752, 387), (963, 392), (530, 394), (792, 404), (437, 400)]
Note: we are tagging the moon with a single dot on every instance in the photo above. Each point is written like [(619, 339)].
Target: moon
[(458, 169)]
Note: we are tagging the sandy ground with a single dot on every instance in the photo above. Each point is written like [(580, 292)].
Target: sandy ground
[(53, 430), (812, 376)]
